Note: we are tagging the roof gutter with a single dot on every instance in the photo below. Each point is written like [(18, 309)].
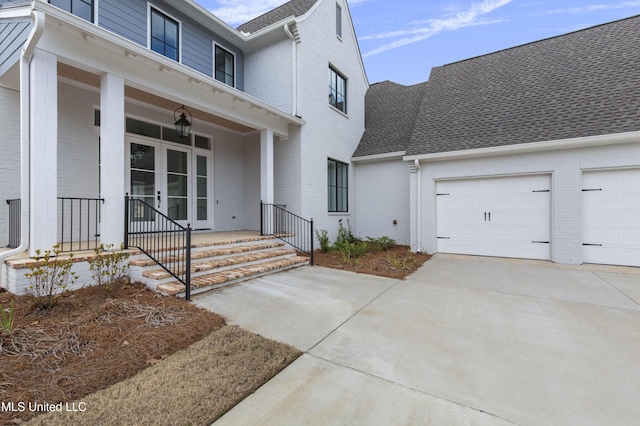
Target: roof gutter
[(38, 19), (582, 142)]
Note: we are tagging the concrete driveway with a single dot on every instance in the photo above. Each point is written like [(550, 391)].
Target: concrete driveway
[(464, 340)]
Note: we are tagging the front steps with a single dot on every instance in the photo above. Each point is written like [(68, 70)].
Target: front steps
[(219, 264)]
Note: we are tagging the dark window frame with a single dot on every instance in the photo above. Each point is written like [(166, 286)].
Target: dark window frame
[(337, 186), (337, 91), (161, 40), (70, 6), (227, 54)]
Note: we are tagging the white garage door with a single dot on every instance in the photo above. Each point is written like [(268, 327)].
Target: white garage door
[(506, 217), (611, 217)]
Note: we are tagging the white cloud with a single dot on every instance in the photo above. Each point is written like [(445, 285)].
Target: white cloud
[(595, 7), (465, 18)]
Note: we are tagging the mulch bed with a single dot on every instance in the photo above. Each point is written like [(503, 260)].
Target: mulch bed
[(89, 341), (396, 262)]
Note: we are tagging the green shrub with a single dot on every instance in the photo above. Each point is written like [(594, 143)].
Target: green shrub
[(50, 276), (344, 234), (381, 243), (323, 238), (6, 317), (109, 268)]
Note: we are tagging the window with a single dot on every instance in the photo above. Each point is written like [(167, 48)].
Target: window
[(225, 64), (337, 90), (80, 8), (338, 20), (164, 35), (338, 186)]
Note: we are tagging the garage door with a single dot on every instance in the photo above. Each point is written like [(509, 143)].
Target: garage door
[(611, 217), (506, 217)]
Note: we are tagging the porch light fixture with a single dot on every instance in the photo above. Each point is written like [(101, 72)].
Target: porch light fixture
[(183, 124)]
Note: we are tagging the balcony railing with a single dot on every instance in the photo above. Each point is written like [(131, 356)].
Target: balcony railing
[(79, 223)]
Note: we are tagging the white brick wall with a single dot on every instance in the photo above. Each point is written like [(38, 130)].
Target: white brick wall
[(9, 156), (382, 196), (566, 167), (268, 75)]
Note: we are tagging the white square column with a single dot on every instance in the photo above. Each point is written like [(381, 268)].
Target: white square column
[(43, 113), (112, 161), (266, 166)]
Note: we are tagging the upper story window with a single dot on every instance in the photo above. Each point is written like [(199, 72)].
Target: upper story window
[(80, 8), (164, 35), (337, 90), (338, 20), (224, 66)]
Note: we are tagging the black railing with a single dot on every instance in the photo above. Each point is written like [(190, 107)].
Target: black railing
[(162, 239), (79, 223), (14, 223), (292, 229)]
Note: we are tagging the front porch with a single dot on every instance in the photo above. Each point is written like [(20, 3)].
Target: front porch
[(218, 259)]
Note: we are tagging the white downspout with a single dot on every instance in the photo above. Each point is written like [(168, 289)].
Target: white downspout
[(25, 131), (418, 205), (294, 52)]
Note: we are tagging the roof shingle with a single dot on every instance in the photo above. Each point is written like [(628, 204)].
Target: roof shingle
[(584, 83), (292, 8)]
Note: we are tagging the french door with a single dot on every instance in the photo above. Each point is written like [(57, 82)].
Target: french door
[(173, 179)]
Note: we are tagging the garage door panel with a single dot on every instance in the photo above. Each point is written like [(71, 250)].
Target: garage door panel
[(496, 216), (611, 217)]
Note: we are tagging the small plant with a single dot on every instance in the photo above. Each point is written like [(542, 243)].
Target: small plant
[(381, 243), (346, 249), (50, 276), (402, 262), (323, 238), (109, 268), (6, 317), (360, 249), (344, 234)]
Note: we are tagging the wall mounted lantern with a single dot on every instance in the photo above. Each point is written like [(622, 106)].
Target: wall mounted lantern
[(183, 121)]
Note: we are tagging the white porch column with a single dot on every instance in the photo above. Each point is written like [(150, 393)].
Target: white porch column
[(266, 166), (44, 151), (415, 210), (112, 161)]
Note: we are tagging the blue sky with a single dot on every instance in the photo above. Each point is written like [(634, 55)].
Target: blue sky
[(401, 40)]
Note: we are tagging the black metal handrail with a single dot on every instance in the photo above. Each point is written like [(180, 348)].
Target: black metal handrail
[(161, 238), (79, 223), (289, 227), (14, 222)]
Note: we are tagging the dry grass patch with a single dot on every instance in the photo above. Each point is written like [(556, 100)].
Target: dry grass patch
[(194, 386)]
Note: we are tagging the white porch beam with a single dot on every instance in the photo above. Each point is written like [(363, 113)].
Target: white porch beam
[(43, 196), (112, 150), (266, 166)]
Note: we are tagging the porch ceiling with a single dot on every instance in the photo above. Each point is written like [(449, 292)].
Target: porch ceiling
[(90, 79)]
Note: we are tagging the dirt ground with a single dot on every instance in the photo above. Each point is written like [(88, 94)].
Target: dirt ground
[(88, 341), (395, 262)]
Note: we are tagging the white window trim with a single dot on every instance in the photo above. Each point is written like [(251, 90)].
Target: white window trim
[(235, 63), (149, 8)]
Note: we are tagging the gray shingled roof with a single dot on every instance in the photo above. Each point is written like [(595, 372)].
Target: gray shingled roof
[(580, 84), (391, 112), (292, 8)]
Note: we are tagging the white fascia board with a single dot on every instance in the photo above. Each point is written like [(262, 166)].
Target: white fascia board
[(268, 35), (379, 157), (587, 141), (77, 41), (16, 12)]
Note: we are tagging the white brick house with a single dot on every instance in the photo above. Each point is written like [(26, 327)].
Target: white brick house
[(530, 152)]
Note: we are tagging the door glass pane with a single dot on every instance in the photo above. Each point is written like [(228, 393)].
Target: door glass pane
[(142, 183), (142, 157), (177, 208), (176, 161), (201, 173), (176, 185)]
